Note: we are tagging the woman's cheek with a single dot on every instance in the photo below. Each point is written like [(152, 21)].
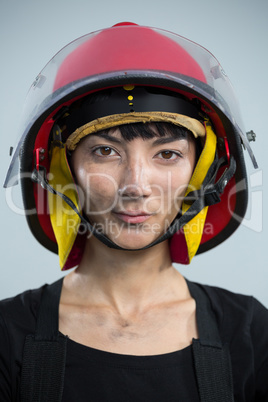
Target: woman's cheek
[(101, 191)]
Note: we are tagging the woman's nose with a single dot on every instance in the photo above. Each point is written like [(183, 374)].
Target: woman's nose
[(135, 182)]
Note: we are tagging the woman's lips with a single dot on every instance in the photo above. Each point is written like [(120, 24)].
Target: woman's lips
[(133, 217)]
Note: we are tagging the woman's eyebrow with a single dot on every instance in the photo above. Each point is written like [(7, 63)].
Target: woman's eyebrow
[(165, 140), (107, 137)]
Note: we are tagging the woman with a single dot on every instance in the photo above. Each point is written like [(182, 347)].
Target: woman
[(137, 162)]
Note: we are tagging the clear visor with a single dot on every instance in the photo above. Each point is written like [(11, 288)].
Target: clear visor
[(43, 93)]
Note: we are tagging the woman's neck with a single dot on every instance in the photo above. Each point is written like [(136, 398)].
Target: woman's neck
[(124, 280)]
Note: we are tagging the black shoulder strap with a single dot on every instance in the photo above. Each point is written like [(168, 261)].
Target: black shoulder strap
[(211, 358), (44, 353)]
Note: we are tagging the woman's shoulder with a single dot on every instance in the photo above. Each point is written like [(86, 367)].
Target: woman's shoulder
[(18, 314), (18, 317), (243, 325), (233, 310), (231, 305), (23, 303)]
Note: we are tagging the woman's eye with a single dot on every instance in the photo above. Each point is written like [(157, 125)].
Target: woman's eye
[(104, 151), (168, 155)]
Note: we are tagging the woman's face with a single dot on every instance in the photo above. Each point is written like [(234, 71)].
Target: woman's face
[(131, 191)]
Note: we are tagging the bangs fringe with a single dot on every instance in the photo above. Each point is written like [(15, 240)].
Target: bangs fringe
[(150, 130)]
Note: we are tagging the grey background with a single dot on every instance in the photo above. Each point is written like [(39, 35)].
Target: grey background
[(235, 31)]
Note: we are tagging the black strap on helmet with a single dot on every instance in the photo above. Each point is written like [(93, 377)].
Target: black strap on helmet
[(208, 195), (121, 100)]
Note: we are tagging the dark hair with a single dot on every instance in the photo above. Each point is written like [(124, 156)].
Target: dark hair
[(156, 129), (150, 130)]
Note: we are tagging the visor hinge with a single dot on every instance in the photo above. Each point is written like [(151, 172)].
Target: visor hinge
[(251, 136)]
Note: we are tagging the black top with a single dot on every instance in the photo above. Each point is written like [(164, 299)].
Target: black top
[(102, 376)]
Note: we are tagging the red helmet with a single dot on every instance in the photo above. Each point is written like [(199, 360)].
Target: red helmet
[(129, 54)]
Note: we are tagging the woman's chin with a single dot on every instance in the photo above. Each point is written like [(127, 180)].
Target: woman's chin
[(133, 241), (131, 236)]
